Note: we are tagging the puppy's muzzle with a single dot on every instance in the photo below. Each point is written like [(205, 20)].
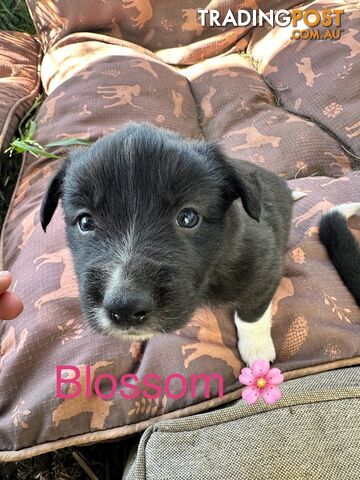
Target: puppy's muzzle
[(131, 309)]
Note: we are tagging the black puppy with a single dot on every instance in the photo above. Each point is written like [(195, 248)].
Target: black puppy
[(159, 225)]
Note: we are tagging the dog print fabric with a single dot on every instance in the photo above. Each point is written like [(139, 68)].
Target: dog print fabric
[(291, 108), (170, 29), (20, 55)]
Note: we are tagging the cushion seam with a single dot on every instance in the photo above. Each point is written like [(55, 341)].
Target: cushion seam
[(10, 114)]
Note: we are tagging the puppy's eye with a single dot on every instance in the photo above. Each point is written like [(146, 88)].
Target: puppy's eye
[(188, 218), (86, 223)]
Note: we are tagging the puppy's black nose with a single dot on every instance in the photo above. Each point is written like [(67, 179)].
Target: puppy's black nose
[(133, 308)]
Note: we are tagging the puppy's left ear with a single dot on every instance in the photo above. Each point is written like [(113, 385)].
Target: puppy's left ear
[(241, 181), (52, 196), (248, 188)]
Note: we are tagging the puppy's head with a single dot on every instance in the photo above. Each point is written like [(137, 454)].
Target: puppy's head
[(146, 219)]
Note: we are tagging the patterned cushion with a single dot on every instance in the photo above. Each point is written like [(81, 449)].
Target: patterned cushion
[(170, 29), (19, 80), (95, 85)]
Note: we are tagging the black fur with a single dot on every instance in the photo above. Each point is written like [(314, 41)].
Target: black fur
[(133, 183), (343, 250)]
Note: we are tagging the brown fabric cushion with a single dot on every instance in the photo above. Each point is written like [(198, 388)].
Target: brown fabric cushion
[(19, 80), (171, 29), (307, 84), (238, 109), (316, 321)]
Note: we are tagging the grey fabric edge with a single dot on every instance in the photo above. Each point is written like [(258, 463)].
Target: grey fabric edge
[(342, 384), (334, 385)]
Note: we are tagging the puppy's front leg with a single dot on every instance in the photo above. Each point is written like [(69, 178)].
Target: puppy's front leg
[(254, 338)]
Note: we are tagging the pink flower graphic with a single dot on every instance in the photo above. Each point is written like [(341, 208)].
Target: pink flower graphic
[(261, 381)]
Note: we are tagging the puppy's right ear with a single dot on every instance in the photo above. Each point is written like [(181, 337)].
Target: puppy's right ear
[(52, 196)]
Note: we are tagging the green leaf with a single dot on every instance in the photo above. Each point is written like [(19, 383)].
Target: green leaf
[(68, 142), (31, 130), (21, 147)]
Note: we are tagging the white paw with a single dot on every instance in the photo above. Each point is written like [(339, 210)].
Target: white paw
[(256, 348)]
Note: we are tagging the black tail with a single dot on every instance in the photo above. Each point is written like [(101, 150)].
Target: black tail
[(342, 247)]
